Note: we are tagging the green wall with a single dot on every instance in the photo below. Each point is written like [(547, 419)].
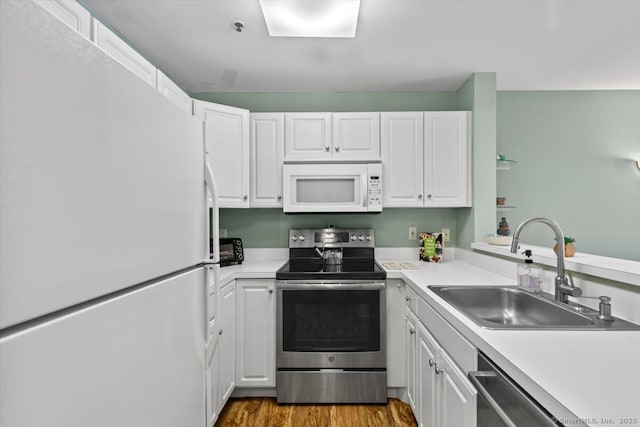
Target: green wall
[(575, 154), (478, 94), (267, 228)]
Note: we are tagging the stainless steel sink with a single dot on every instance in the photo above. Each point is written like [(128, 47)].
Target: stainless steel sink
[(495, 307)]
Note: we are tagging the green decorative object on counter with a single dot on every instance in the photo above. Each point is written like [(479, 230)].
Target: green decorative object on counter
[(569, 249)]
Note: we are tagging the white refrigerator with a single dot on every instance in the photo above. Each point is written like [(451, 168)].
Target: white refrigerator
[(104, 238)]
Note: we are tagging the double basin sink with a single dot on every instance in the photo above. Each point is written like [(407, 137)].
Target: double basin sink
[(497, 307)]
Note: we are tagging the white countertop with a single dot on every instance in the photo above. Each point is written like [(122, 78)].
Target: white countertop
[(593, 376), (250, 270)]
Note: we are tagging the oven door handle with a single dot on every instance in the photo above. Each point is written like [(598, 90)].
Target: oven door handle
[(334, 286)]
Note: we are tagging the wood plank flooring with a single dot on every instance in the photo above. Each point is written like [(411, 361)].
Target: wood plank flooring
[(265, 412)]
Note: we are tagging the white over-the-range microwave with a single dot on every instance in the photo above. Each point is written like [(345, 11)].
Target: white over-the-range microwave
[(352, 187)]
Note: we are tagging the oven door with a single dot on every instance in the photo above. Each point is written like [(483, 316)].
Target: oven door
[(330, 325)]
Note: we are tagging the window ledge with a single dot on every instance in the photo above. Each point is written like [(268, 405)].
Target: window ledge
[(620, 270)]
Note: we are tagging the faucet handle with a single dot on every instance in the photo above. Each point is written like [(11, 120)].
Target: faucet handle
[(604, 308)]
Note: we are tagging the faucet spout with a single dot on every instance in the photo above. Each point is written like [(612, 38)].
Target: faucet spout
[(562, 287)]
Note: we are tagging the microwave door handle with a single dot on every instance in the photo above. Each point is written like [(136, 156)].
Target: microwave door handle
[(364, 186)]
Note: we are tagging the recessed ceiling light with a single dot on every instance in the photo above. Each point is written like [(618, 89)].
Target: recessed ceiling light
[(311, 18)]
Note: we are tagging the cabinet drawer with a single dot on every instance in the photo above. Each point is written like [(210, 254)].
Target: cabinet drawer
[(461, 350), (411, 299)]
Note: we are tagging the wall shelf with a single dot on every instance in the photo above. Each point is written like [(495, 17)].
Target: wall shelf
[(504, 208)]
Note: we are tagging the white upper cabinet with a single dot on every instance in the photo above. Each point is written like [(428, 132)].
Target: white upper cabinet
[(307, 136), (447, 175), (172, 91), (123, 53), (267, 149), (227, 142), (71, 13), (356, 136), (426, 159), (402, 158), (332, 136)]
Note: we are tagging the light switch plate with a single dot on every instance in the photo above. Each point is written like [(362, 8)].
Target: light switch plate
[(413, 233)]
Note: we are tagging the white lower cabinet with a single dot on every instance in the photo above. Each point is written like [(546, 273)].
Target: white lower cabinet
[(427, 404), (227, 341), (410, 354), (256, 334), (220, 352), (437, 389), (457, 395)]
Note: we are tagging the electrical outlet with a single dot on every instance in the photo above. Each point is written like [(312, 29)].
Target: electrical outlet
[(447, 234), (413, 233)]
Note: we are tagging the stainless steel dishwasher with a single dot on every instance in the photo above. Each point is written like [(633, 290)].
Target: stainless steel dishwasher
[(501, 402)]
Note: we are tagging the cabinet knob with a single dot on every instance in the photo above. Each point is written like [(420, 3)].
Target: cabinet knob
[(428, 196), (270, 291), (407, 299), (245, 197), (220, 332), (437, 369), (279, 197), (337, 149), (419, 196), (431, 362), (327, 148), (412, 331)]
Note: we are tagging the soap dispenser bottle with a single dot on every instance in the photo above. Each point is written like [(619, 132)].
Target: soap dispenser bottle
[(529, 275)]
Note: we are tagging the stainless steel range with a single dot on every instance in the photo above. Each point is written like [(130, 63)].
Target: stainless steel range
[(331, 319)]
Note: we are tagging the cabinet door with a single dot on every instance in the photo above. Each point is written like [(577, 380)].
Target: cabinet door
[(356, 136), (410, 349), (172, 91), (115, 47), (256, 365), (212, 387), (447, 153), (402, 158), (427, 390), (457, 396), (307, 136), (267, 148), (227, 342), (227, 142), (71, 13)]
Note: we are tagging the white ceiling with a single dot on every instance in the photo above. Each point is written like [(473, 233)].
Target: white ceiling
[(400, 45)]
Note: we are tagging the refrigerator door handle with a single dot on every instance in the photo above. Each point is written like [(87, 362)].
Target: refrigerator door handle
[(215, 224)]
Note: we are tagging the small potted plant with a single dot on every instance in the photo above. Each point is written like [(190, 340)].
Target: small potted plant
[(569, 249)]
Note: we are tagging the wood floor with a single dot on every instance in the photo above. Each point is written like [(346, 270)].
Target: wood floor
[(263, 412)]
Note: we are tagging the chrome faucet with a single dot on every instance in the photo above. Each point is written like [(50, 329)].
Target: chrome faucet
[(563, 288)]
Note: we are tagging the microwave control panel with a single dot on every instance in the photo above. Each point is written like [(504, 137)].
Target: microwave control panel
[(374, 187)]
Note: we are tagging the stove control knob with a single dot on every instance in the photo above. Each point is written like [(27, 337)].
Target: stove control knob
[(354, 237), (361, 237), (368, 238), (301, 238), (294, 238)]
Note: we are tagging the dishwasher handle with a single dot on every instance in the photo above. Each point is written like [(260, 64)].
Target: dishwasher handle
[(535, 415), (473, 376)]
